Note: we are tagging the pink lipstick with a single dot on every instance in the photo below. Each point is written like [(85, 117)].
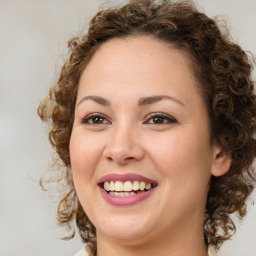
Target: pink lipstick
[(126, 189)]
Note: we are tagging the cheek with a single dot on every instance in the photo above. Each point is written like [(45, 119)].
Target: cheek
[(182, 156), (84, 155), (183, 166)]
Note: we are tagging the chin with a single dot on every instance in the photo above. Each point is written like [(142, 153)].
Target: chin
[(128, 231)]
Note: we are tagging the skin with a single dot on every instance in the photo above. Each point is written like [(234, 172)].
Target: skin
[(177, 154)]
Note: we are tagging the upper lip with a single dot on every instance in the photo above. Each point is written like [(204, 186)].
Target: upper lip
[(125, 177)]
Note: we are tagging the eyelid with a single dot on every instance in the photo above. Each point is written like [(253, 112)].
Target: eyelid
[(162, 115), (85, 119)]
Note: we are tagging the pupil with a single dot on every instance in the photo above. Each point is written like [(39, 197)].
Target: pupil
[(97, 120), (158, 119)]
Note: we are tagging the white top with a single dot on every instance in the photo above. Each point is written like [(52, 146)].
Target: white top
[(84, 252)]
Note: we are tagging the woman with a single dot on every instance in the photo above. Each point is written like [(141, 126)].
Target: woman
[(153, 118)]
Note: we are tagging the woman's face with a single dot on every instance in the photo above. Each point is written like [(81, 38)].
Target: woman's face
[(141, 122)]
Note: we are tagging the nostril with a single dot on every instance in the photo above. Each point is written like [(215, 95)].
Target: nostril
[(129, 158)]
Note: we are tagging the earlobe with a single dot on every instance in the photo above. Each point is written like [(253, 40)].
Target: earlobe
[(221, 161)]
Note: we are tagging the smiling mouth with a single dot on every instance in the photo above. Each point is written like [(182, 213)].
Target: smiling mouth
[(127, 188)]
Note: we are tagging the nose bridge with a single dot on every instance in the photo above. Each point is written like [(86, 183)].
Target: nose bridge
[(123, 143)]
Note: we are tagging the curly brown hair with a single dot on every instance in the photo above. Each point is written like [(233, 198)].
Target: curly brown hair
[(223, 72)]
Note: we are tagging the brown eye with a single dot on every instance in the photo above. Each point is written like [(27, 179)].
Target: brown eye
[(95, 119), (160, 118)]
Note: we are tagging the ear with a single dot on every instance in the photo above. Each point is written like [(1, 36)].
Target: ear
[(221, 161)]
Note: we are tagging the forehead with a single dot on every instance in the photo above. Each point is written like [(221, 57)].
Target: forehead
[(135, 60)]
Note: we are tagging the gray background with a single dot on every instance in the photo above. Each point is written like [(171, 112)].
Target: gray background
[(33, 37)]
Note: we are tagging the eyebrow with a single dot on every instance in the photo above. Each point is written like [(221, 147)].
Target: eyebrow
[(142, 101), (153, 99), (97, 99)]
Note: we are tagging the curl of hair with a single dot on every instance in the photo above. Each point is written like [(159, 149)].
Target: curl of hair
[(222, 70)]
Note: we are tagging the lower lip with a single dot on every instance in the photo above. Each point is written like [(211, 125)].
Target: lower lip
[(125, 200)]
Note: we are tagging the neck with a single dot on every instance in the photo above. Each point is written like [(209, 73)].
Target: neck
[(184, 241)]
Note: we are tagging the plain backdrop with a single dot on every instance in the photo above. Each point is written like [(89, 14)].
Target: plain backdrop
[(33, 36)]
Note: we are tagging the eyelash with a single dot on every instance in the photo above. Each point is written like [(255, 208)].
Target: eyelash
[(89, 119), (166, 119)]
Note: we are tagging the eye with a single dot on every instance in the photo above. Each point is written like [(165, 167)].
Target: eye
[(95, 119), (160, 118)]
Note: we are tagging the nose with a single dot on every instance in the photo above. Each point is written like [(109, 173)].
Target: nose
[(124, 146)]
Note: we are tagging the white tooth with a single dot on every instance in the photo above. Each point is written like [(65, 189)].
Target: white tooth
[(112, 186), (119, 186), (148, 186), (106, 186), (111, 193), (136, 185), (133, 193), (127, 186), (142, 185), (127, 193), (121, 194), (116, 194)]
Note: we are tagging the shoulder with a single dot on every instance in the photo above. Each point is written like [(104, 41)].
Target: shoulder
[(82, 252), (211, 251)]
